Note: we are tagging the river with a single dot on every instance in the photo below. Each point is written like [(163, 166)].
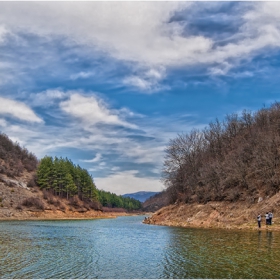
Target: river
[(125, 248)]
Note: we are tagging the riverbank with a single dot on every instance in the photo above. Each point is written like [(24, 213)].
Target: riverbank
[(226, 215), (7, 214)]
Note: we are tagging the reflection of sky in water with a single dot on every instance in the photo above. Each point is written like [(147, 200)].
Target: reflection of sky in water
[(126, 248)]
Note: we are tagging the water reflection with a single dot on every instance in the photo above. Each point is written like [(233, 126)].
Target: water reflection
[(126, 248), (196, 253)]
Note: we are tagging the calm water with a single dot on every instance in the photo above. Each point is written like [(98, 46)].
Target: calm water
[(126, 248)]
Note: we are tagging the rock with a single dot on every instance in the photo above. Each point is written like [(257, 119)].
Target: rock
[(260, 199), (15, 182)]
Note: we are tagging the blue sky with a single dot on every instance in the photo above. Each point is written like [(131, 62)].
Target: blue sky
[(107, 84)]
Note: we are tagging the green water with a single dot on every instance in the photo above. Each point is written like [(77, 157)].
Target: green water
[(126, 248)]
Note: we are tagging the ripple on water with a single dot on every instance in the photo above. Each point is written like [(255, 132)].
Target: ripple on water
[(126, 248)]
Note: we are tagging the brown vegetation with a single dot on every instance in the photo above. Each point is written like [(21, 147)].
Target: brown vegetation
[(219, 214), (234, 160), (33, 202), (21, 198), (224, 175), (14, 160), (155, 202)]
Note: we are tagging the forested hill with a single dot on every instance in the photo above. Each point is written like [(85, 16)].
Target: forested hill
[(237, 159), (24, 181)]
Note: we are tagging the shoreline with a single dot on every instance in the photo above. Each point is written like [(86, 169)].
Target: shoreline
[(216, 215), (30, 215), (244, 227)]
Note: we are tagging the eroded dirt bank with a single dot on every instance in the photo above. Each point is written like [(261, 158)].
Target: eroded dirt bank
[(6, 214), (237, 215)]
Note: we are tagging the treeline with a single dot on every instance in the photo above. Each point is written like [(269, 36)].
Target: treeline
[(236, 159), (15, 159), (63, 178), (109, 199), (58, 176)]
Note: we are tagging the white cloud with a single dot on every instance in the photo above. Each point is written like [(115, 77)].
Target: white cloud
[(97, 157), (132, 31), (3, 32), (141, 32), (138, 82), (92, 110), (147, 81), (47, 98), (81, 75), (18, 110), (3, 123), (128, 182)]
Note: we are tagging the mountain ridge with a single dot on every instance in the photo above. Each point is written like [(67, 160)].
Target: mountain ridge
[(142, 196)]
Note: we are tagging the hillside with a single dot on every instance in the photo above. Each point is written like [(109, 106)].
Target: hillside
[(51, 188), (155, 202), (219, 214), (232, 164), (141, 196)]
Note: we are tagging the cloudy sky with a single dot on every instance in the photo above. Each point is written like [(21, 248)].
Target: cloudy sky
[(107, 84)]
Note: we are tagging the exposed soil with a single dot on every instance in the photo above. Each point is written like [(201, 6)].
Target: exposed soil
[(238, 215), (13, 193)]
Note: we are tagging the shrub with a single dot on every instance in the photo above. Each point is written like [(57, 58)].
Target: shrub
[(31, 183), (74, 201), (62, 208), (95, 205), (47, 195), (56, 202), (33, 201), (19, 207)]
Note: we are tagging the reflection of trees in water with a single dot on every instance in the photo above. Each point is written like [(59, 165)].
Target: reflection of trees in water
[(197, 253)]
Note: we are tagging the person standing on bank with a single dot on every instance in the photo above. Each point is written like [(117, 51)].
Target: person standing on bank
[(266, 218), (259, 218), (270, 216)]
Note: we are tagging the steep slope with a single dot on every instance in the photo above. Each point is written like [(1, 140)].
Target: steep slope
[(156, 202), (21, 198), (224, 175)]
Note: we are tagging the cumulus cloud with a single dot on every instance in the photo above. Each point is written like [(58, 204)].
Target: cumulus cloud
[(18, 110), (92, 111), (128, 182)]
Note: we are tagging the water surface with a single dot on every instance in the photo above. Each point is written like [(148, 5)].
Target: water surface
[(126, 248)]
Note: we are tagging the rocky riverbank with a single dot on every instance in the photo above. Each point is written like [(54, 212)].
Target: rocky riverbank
[(237, 215), (19, 202)]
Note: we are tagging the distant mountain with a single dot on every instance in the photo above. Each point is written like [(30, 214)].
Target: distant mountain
[(141, 196)]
